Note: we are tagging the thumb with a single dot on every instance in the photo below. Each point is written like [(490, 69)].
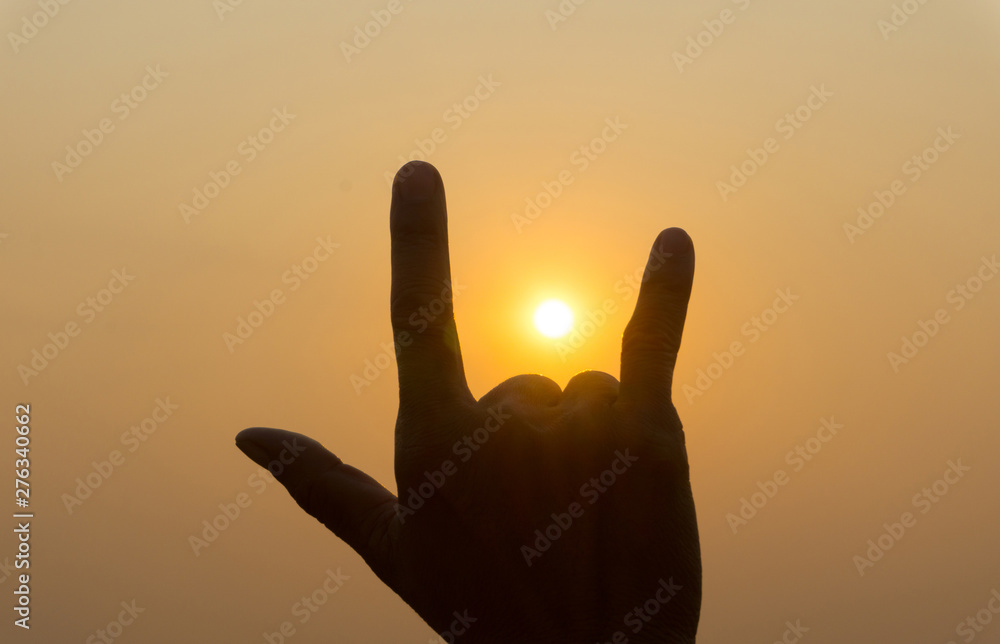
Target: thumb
[(353, 505)]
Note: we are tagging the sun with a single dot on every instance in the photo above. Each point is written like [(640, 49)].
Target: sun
[(553, 318)]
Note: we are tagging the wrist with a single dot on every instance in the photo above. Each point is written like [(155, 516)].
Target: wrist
[(548, 637)]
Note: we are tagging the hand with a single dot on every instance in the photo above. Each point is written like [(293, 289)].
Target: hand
[(533, 514)]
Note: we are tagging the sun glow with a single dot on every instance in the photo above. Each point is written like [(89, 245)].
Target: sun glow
[(553, 318)]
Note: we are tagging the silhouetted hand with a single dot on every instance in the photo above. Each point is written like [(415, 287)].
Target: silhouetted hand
[(533, 514)]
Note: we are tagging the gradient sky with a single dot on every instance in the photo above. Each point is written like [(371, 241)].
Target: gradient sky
[(545, 88)]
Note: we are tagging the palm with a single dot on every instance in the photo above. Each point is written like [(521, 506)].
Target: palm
[(533, 514)]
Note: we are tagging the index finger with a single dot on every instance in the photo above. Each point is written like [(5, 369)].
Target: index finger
[(422, 295), (652, 337)]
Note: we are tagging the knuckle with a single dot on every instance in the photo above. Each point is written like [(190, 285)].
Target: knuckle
[(421, 302), (659, 343)]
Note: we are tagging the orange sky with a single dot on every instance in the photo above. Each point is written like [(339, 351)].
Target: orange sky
[(167, 169)]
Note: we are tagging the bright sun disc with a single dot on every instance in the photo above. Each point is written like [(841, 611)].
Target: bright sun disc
[(553, 318)]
